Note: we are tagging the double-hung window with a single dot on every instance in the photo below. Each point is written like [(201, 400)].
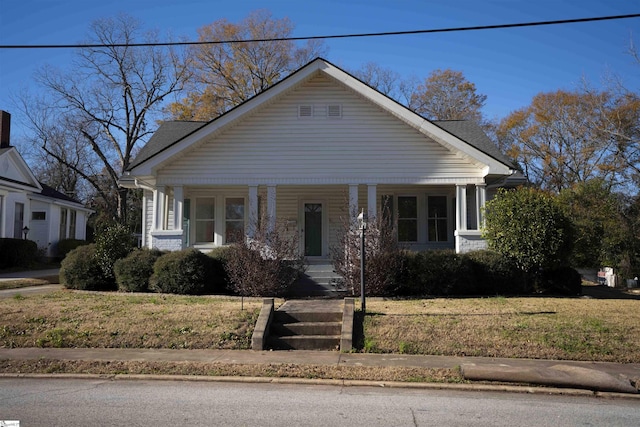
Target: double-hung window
[(437, 219), (234, 219), (407, 218), (205, 219)]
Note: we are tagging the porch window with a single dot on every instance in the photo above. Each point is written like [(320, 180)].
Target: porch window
[(437, 219), (205, 219), (407, 218), (234, 219)]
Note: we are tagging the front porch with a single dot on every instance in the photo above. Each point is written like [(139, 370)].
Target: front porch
[(426, 216)]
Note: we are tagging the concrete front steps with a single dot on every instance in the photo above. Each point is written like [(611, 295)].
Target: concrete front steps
[(319, 280), (305, 325)]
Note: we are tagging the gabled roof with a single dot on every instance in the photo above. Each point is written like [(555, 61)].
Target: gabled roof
[(472, 134), (168, 133), (15, 173), (463, 137), (52, 193)]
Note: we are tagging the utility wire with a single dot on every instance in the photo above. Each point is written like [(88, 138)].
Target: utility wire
[(335, 36)]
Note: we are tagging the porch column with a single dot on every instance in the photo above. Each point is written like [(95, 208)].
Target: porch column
[(481, 199), (353, 201), (271, 207), (178, 207), (253, 211), (158, 207), (371, 200), (145, 226), (461, 207)]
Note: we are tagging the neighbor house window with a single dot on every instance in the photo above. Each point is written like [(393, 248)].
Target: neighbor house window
[(205, 219), (72, 225), (437, 220), (18, 222), (38, 216), (234, 219), (63, 223), (407, 219)]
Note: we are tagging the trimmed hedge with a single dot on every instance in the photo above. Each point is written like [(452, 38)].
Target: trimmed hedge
[(134, 271), (65, 246), (79, 270), (558, 281), (187, 272), (439, 273), (445, 273), (17, 253), (496, 274)]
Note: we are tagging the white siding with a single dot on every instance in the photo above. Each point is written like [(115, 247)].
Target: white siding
[(366, 144), (147, 217)]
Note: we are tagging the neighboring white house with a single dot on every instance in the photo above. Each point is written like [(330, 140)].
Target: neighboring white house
[(31, 209), (312, 149)]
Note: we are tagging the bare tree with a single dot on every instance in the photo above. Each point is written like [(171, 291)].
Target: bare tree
[(227, 74), (448, 95), (387, 81), (104, 102)]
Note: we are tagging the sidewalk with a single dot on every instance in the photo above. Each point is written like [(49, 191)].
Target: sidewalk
[(29, 274), (596, 376)]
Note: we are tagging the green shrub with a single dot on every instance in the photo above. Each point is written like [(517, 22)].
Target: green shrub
[(17, 253), (79, 270), (64, 246), (528, 226), (439, 272), (113, 243), (134, 271), (496, 274), (187, 272)]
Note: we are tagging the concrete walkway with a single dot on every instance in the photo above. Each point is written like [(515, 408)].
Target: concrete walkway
[(30, 274), (595, 376)]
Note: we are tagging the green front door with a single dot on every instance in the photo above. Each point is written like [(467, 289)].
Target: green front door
[(313, 229)]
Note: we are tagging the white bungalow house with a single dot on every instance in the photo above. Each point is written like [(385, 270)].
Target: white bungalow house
[(30, 209), (309, 150)]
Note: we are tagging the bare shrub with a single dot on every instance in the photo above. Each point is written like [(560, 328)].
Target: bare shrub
[(384, 258), (266, 264)]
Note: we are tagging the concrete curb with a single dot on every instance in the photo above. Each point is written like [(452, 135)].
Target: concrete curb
[(523, 389)]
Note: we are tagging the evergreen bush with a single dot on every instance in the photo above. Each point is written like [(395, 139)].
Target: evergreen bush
[(17, 253), (496, 274), (79, 270), (113, 243), (133, 272), (64, 246), (187, 272)]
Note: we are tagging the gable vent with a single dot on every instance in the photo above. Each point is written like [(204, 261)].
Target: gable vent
[(305, 111), (334, 111)]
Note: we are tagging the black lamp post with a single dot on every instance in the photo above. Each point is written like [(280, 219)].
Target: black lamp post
[(25, 231), (362, 222)]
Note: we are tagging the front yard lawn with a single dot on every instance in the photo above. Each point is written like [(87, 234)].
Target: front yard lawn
[(529, 327)]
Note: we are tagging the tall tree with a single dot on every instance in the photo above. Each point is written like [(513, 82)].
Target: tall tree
[(227, 74), (387, 81), (562, 139), (104, 103), (448, 95)]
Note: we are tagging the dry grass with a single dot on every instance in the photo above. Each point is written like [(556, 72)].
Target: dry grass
[(23, 283), (48, 366), (112, 320), (549, 328), (554, 328)]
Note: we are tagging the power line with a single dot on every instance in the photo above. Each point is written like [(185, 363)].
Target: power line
[(335, 36)]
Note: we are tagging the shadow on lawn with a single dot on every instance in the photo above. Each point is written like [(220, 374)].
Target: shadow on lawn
[(605, 292)]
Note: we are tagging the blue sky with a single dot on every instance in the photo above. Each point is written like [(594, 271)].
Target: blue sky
[(510, 66)]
